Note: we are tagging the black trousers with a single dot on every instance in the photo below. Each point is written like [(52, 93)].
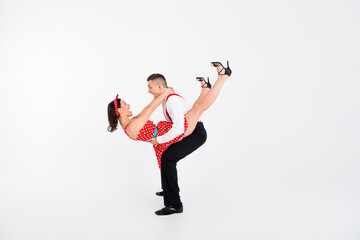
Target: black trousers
[(169, 159)]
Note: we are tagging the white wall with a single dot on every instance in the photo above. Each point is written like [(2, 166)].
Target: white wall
[(282, 156)]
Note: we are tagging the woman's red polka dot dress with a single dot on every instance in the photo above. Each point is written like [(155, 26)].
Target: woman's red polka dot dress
[(148, 130)]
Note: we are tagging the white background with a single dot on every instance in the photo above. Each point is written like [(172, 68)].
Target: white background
[(282, 156)]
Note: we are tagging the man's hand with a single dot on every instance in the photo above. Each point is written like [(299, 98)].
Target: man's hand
[(153, 141)]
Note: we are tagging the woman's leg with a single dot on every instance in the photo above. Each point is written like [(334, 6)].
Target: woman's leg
[(204, 103), (204, 91), (212, 94)]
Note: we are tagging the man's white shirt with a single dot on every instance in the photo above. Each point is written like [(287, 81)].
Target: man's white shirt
[(176, 107)]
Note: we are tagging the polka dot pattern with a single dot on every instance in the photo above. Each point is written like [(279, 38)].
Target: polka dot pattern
[(148, 130)]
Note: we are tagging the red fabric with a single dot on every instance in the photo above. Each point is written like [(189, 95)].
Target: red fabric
[(168, 115), (172, 95), (147, 132), (116, 106)]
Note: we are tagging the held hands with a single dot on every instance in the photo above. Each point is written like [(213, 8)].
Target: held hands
[(153, 141)]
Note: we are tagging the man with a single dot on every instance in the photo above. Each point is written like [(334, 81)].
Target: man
[(174, 108)]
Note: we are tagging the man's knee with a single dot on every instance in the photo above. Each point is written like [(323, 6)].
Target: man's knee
[(202, 136)]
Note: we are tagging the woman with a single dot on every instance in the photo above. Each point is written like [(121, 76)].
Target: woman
[(140, 128)]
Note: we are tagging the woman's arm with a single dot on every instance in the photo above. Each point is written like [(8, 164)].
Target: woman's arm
[(137, 123), (150, 108)]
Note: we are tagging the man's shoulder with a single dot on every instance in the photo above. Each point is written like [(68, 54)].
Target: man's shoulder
[(174, 97), (173, 100)]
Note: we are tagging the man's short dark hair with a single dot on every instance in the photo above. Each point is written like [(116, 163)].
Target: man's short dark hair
[(159, 78)]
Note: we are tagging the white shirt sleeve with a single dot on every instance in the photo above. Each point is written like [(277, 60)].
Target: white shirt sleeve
[(175, 107)]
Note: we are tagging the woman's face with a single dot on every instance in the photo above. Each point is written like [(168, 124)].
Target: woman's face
[(125, 109)]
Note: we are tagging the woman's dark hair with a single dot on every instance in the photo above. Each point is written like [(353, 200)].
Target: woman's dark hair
[(113, 119)]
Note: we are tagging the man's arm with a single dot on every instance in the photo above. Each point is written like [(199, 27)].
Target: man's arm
[(175, 107)]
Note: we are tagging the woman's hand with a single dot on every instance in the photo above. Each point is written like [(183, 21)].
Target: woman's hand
[(169, 90), (153, 141)]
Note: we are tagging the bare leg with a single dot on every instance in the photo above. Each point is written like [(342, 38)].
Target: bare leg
[(204, 91), (204, 103), (212, 94)]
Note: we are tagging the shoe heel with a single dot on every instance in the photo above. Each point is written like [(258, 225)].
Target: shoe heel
[(180, 210), (228, 70), (208, 84)]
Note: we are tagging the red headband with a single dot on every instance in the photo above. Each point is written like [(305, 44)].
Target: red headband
[(116, 106)]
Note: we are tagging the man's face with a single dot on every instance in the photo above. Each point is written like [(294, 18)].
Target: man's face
[(155, 88)]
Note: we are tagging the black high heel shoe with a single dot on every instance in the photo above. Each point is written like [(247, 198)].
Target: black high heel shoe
[(207, 83), (227, 70)]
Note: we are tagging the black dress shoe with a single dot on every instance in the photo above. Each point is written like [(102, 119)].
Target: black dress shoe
[(160, 193), (169, 210)]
